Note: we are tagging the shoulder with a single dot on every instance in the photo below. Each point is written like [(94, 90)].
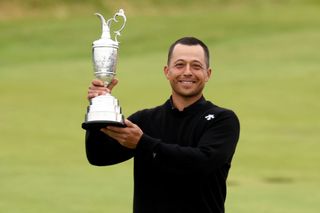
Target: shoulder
[(220, 121), (217, 113), (148, 113)]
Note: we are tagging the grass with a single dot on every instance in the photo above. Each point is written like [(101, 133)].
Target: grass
[(265, 60)]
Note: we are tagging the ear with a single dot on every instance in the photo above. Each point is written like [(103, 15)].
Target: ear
[(209, 71), (166, 71)]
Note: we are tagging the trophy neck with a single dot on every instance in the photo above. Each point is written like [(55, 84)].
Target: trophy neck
[(102, 42)]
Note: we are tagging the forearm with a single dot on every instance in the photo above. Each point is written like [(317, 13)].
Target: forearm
[(102, 150), (179, 159), (213, 150)]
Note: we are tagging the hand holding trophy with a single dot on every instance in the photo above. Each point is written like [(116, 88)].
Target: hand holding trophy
[(104, 110)]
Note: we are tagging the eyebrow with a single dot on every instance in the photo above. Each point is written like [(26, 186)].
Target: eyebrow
[(181, 60)]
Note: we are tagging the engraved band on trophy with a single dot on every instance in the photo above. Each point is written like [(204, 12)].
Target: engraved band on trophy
[(105, 109)]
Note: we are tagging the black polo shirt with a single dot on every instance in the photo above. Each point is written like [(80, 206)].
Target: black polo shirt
[(181, 162)]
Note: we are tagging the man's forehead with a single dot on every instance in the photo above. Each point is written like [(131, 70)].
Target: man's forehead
[(188, 52)]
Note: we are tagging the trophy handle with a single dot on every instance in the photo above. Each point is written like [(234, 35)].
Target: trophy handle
[(106, 24), (121, 14)]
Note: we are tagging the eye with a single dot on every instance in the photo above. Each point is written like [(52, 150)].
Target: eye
[(179, 65), (197, 66)]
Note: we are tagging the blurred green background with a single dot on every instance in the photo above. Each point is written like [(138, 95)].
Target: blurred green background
[(265, 57)]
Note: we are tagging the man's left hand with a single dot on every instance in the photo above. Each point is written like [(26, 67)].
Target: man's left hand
[(128, 137)]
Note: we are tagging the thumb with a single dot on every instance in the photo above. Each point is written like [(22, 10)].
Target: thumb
[(128, 123), (113, 83)]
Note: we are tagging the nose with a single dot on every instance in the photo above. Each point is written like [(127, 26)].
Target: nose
[(187, 71)]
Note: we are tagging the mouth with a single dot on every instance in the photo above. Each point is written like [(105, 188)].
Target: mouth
[(187, 82)]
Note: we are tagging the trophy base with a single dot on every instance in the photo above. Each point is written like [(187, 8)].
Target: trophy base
[(104, 110), (101, 124)]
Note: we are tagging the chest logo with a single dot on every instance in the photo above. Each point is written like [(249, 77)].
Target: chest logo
[(210, 117)]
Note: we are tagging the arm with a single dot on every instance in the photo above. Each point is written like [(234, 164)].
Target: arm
[(214, 150), (100, 149)]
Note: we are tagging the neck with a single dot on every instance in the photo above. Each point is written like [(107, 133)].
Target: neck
[(182, 102)]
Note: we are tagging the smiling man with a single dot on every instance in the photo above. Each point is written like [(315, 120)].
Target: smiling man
[(188, 71), (182, 149)]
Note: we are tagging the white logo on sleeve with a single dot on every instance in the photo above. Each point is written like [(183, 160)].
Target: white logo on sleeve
[(210, 117)]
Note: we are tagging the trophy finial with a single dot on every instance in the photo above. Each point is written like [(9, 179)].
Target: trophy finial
[(107, 24)]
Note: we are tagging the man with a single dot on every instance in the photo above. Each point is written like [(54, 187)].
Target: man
[(182, 149)]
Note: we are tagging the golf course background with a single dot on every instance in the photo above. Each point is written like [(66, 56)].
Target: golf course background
[(266, 67)]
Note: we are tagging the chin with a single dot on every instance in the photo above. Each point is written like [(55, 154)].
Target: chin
[(190, 94)]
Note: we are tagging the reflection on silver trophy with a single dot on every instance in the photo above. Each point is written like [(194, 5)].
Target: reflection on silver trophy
[(104, 109)]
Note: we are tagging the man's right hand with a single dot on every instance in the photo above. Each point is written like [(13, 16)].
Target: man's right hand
[(97, 88)]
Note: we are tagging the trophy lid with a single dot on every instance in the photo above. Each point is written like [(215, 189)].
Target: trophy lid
[(105, 43), (105, 40)]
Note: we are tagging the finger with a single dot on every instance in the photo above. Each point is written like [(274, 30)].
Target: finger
[(104, 130), (97, 82), (109, 132), (117, 136), (118, 130), (91, 95), (99, 91), (98, 88), (113, 83)]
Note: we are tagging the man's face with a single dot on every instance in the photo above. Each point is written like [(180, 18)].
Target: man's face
[(187, 71)]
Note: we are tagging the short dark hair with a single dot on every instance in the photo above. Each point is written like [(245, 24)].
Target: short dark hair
[(190, 41)]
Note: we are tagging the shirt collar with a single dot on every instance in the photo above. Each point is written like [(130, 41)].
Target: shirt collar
[(190, 108)]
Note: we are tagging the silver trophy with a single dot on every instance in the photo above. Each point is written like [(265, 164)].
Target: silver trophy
[(104, 110)]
